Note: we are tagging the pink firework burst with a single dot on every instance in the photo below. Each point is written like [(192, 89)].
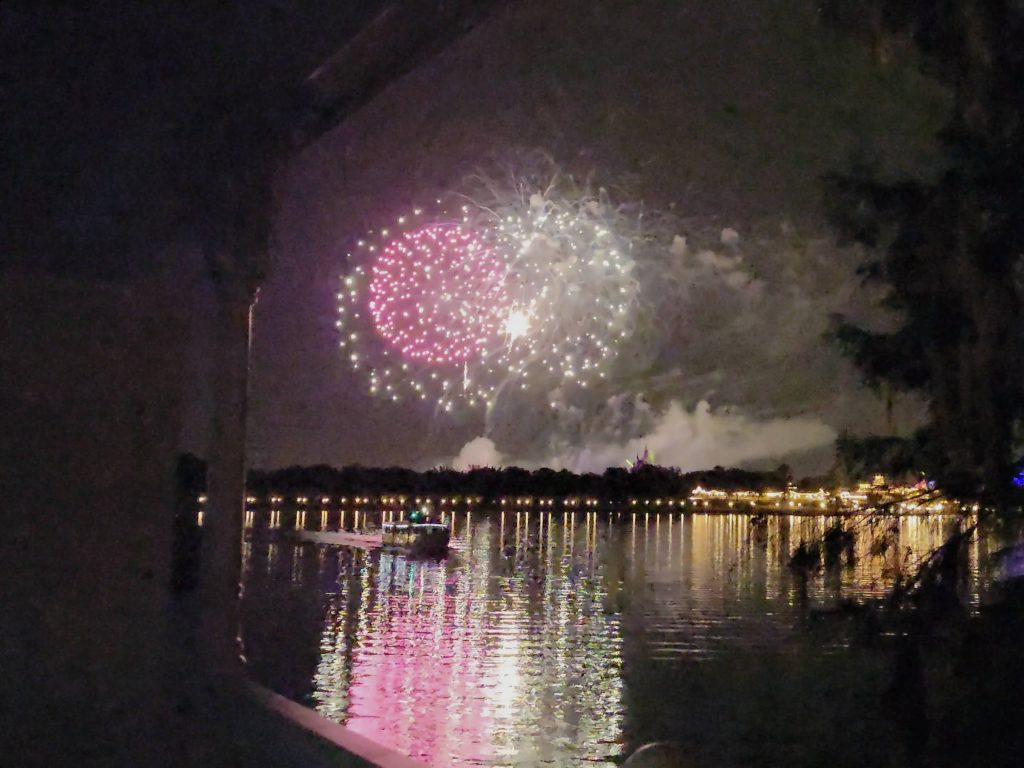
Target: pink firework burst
[(437, 294)]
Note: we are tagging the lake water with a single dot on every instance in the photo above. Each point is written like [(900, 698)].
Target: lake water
[(546, 638)]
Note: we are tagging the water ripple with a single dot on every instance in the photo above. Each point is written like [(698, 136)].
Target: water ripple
[(517, 649)]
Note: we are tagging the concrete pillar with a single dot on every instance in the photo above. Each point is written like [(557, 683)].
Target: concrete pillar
[(220, 561), (91, 378)]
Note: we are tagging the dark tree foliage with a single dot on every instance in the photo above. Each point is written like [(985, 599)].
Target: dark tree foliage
[(897, 458), (949, 248), (616, 484)]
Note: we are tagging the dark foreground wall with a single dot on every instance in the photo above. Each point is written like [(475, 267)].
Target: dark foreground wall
[(89, 423)]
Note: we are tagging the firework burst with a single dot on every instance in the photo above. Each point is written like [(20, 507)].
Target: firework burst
[(519, 287), (437, 294)]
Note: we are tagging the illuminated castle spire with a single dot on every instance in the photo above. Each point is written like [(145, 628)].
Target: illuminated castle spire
[(641, 460)]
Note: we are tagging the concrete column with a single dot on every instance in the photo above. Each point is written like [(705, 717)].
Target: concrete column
[(220, 562), (91, 376)]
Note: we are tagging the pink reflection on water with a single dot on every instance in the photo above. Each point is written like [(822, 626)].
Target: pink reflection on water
[(481, 660), (515, 650)]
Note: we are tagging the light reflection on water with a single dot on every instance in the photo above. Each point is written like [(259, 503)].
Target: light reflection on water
[(516, 649)]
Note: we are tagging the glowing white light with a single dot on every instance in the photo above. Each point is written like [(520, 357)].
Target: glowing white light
[(517, 324)]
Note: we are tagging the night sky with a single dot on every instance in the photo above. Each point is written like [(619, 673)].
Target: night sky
[(724, 113)]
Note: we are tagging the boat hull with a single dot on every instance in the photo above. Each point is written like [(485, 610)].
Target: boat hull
[(427, 539)]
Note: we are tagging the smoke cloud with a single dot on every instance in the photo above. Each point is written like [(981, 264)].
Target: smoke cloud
[(726, 344), (690, 440), (701, 439), (478, 452)]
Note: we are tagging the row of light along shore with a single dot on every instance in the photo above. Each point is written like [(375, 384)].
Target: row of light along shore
[(865, 497)]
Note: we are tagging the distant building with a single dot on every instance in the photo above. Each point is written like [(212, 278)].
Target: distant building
[(642, 460)]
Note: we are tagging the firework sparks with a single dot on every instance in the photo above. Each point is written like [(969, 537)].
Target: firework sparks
[(528, 290), (438, 294)]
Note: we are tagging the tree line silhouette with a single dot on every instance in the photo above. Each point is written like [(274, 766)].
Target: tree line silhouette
[(489, 483)]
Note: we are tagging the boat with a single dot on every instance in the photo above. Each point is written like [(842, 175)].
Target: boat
[(417, 538), (418, 535)]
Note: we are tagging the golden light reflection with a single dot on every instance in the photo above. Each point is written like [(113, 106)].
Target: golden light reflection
[(515, 650)]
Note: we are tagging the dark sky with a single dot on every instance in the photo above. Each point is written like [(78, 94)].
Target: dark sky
[(725, 112)]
